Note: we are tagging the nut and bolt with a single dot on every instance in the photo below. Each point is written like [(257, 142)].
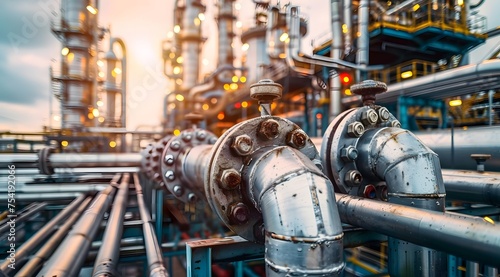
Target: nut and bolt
[(175, 145), (230, 178), (242, 145), (269, 129), (192, 197), (212, 140), (396, 124), (296, 139), (355, 129), (369, 117), (370, 192), (178, 191), (187, 136), (169, 159), (239, 213), (353, 178), (170, 175), (349, 153), (382, 192), (383, 114), (201, 135)]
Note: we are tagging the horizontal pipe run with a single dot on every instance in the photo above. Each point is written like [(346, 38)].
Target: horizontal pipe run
[(107, 259), (472, 186), (153, 248), (25, 198), (42, 255), (69, 257), (27, 214), (42, 234), (469, 237)]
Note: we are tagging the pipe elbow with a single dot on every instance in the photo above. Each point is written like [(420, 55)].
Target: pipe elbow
[(302, 224)]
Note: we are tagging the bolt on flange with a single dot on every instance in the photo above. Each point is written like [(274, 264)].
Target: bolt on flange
[(297, 138), (230, 178), (242, 145), (353, 178), (238, 213), (355, 129), (349, 153), (369, 117), (269, 129), (383, 114)]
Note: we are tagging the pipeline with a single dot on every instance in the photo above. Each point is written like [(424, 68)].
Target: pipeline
[(69, 257), (42, 234), (153, 249), (23, 215), (41, 256), (107, 258), (471, 237), (471, 186)]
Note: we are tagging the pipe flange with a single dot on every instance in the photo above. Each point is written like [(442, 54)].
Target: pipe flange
[(43, 161), (154, 158), (171, 162), (227, 191), (341, 137)]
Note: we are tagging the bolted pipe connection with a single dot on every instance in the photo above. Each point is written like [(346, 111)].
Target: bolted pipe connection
[(265, 91)]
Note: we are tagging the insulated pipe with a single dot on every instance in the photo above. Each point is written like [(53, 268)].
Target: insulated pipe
[(153, 249), (307, 239), (70, 255), (36, 261), (42, 234), (469, 237), (107, 258)]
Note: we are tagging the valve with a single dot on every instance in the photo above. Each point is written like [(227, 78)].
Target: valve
[(368, 90), (265, 92)]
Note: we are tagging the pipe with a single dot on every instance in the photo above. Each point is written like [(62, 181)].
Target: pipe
[(195, 164), (472, 186), (70, 255), (107, 258), (335, 53), (94, 160), (469, 237), (413, 177), (307, 238), (347, 30), (24, 215), (363, 39), (42, 255), (42, 234), (153, 249)]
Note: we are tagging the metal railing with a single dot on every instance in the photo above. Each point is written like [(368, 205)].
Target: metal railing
[(405, 71)]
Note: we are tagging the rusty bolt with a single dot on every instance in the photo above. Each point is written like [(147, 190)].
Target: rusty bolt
[(353, 178), (169, 159), (369, 117), (242, 145), (296, 138), (178, 191), (238, 213), (192, 197), (370, 191), (187, 136), (395, 124), (175, 145), (383, 114), (355, 129), (349, 153), (230, 178), (269, 129), (382, 192), (170, 175)]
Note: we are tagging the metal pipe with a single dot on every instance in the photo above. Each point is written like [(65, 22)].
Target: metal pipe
[(307, 238), (42, 234), (107, 258), (95, 160), (195, 164), (41, 196), (153, 249), (347, 30), (26, 214), (469, 237), (472, 186), (42, 255), (363, 39), (69, 257)]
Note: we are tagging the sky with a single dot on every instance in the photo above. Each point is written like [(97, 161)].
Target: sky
[(28, 48)]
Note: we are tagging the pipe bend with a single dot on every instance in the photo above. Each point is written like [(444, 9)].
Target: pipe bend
[(399, 158), (302, 224)]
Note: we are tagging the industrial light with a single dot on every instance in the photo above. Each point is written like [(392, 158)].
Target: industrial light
[(205, 107), (90, 116), (282, 55), (177, 70), (284, 37), (180, 59), (213, 100), (220, 116), (347, 92), (101, 74), (245, 47), (234, 79), (345, 78), (244, 104), (100, 63), (112, 144), (171, 55), (91, 9), (179, 97), (460, 2), (455, 102), (177, 29), (71, 57), (177, 132), (117, 70), (95, 112), (233, 86), (201, 16), (345, 29), (239, 24), (226, 87), (65, 51), (416, 7), (100, 119), (197, 21), (57, 118), (243, 79), (406, 74), (64, 143)]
